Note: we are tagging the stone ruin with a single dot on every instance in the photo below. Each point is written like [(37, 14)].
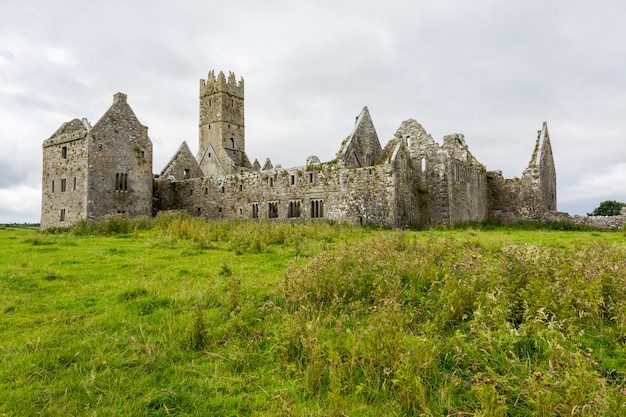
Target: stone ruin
[(91, 172)]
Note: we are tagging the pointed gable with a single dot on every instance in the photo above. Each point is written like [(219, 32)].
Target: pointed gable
[(119, 123), (182, 166), (362, 148)]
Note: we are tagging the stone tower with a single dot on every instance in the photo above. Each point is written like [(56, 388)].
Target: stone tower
[(91, 172), (222, 147)]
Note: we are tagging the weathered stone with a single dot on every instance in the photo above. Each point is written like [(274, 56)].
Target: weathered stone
[(411, 181), (91, 172)]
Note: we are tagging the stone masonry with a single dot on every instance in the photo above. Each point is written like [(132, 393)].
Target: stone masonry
[(93, 172)]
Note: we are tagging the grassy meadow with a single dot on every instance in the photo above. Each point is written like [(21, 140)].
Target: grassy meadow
[(180, 316)]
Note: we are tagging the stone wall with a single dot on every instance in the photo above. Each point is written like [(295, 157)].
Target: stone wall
[(601, 222), (120, 164), (356, 195), (64, 179)]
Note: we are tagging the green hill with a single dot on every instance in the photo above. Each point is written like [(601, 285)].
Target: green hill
[(178, 316)]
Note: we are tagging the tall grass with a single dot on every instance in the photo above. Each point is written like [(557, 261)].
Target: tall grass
[(182, 316)]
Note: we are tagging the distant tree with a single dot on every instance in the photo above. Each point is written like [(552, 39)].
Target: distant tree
[(608, 208)]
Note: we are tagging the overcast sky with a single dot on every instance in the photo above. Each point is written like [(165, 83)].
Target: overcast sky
[(493, 70)]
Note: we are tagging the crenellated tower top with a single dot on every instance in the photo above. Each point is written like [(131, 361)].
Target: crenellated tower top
[(220, 84)]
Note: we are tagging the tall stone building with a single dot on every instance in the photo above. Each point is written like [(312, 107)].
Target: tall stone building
[(412, 180), (91, 172)]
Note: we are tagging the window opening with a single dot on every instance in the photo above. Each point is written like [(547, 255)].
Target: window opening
[(121, 182), (294, 209), (64, 152), (240, 211), (74, 183), (255, 211), (310, 178), (186, 173), (198, 211), (271, 181), (272, 209), (232, 142), (222, 189), (63, 185), (240, 187), (62, 215), (206, 191), (293, 180), (317, 208), (52, 185), (423, 164), (457, 168)]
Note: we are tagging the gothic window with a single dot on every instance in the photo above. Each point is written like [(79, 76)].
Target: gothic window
[(293, 180), (311, 178), (255, 211), (62, 215), (368, 159), (272, 209), (423, 164), (143, 154), (121, 182), (294, 209), (317, 208), (271, 181), (457, 169), (64, 152), (63, 185), (240, 211), (186, 173)]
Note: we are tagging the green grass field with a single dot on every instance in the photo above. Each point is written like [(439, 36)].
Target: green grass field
[(178, 316)]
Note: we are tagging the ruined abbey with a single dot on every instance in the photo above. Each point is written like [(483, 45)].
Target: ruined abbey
[(90, 172)]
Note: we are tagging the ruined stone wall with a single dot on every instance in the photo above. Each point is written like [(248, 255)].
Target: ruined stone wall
[(355, 195), (467, 188), (64, 179), (120, 164), (601, 222)]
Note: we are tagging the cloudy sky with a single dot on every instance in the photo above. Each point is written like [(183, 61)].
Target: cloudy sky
[(490, 69)]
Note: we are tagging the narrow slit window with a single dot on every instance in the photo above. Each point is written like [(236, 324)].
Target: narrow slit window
[(62, 217), (64, 152)]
